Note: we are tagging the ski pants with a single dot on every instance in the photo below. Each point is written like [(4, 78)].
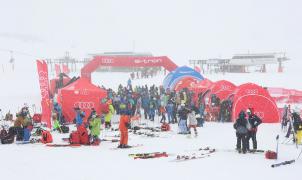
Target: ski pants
[(124, 137), (163, 117), (146, 112), (183, 126), (170, 117), (251, 135), (241, 142)]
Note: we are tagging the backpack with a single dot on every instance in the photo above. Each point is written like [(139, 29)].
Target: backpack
[(74, 138), (83, 133), (46, 137), (65, 129), (123, 106), (270, 155), (3, 133), (241, 130), (165, 127), (8, 139)]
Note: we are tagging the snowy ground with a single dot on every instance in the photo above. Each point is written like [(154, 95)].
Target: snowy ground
[(89, 163), (92, 163)]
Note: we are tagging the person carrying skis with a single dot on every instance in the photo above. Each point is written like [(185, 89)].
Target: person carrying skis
[(95, 129), (253, 122), (241, 132)]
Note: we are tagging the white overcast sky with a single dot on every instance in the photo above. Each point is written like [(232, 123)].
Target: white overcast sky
[(180, 29)]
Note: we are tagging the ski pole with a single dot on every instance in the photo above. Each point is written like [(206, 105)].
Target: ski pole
[(277, 139), (299, 154)]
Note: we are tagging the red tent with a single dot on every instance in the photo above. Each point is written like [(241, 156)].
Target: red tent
[(201, 86), (222, 89), (82, 94), (53, 84), (185, 82), (251, 95)]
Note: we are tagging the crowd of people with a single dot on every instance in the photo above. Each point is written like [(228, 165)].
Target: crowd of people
[(153, 103)]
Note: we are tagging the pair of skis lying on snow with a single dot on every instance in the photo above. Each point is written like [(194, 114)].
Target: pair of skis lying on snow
[(204, 152)]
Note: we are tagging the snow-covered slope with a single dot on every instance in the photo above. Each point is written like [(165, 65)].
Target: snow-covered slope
[(40, 162)]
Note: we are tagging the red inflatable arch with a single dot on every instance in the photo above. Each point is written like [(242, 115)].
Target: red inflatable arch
[(251, 95), (126, 61)]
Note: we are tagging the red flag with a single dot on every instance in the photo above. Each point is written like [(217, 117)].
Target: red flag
[(44, 86), (57, 69), (65, 69)]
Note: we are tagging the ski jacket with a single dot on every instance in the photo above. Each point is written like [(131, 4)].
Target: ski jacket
[(192, 119), (241, 126), (56, 125), (254, 122), (95, 126), (183, 113), (170, 108), (108, 116)]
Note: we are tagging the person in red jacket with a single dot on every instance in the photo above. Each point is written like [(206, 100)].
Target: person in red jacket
[(123, 127)]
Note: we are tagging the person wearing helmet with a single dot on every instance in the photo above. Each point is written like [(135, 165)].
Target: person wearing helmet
[(253, 122), (241, 132)]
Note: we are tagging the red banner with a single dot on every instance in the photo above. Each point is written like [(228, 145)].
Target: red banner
[(65, 69), (44, 86), (57, 69)]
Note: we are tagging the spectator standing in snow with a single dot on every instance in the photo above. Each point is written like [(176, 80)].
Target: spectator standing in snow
[(192, 122), (253, 122), (183, 116), (241, 132)]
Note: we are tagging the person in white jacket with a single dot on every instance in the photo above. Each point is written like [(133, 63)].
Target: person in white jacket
[(192, 122)]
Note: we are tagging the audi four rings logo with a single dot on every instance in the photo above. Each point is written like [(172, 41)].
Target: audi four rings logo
[(107, 61), (84, 105), (252, 91)]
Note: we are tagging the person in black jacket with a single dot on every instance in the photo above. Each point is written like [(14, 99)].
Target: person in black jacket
[(241, 132), (253, 122)]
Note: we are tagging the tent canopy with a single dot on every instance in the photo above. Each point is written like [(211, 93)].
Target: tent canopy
[(201, 86), (250, 95), (222, 89), (179, 73), (82, 94)]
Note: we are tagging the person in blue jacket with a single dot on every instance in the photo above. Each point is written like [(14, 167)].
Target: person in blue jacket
[(79, 116), (145, 105), (170, 108)]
